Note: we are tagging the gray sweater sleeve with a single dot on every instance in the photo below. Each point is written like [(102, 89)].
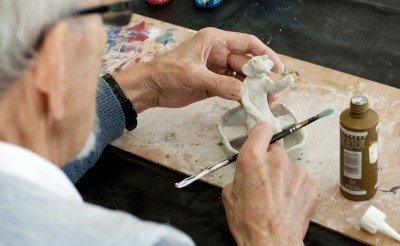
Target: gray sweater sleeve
[(111, 121)]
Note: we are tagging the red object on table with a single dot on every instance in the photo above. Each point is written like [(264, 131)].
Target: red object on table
[(158, 1)]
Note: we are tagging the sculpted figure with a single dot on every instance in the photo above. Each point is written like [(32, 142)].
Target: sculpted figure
[(256, 86)]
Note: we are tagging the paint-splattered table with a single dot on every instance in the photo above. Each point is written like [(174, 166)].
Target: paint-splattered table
[(187, 139)]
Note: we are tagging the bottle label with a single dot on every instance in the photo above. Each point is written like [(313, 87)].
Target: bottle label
[(354, 192), (353, 134), (353, 143), (352, 164), (373, 153)]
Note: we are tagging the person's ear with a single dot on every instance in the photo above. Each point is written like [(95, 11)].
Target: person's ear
[(49, 71)]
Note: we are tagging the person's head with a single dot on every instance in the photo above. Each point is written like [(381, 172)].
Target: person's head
[(258, 66), (49, 65)]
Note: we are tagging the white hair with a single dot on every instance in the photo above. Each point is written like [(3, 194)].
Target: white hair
[(90, 143), (22, 24)]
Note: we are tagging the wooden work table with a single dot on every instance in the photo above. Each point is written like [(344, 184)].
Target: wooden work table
[(187, 139)]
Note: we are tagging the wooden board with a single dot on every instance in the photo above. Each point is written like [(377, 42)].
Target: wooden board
[(187, 139)]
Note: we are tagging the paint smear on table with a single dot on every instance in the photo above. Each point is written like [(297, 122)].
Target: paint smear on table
[(120, 39), (167, 37), (125, 44), (336, 85)]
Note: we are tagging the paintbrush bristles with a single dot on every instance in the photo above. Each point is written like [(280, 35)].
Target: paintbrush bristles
[(326, 112)]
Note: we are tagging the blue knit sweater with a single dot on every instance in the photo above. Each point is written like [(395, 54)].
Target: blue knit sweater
[(111, 123)]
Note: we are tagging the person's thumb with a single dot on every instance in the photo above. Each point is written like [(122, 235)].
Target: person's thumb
[(253, 152), (218, 85), (257, 141)]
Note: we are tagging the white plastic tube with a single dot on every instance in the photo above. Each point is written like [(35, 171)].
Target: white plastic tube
[(373, 220)]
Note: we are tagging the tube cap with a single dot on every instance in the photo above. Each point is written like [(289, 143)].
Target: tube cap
[(374, 220)]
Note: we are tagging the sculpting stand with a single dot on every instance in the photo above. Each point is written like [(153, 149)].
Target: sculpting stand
[(233, 130)]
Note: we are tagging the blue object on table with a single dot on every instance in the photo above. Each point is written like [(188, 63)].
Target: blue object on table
[(207, 3)]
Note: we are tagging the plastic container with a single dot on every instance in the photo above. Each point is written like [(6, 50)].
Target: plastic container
[(207, 3), (158, 2), (233, 130)]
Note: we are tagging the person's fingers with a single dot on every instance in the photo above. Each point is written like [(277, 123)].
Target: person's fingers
[(277, 147), (272, 98), (256, 145), (259, 137), (240, 77), (240, 43), (312, 193), (236, 61), (298, 184), (311, 200), (302, 184), (226, 196), (218, 85)]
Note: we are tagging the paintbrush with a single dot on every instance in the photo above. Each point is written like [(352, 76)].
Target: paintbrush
[(276, 137)]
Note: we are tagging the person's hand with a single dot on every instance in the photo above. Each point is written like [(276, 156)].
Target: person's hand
[(197, 69), (270, 199)]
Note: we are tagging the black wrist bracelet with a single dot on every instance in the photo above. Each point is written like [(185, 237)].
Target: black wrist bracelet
[(127, 107)]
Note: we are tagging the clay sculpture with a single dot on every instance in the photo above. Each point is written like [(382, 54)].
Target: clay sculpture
[(256, 86), (235, 123)]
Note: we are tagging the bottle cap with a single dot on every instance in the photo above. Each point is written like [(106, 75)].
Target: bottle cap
[(359, 100), (359, 106), (374, 220), (207, 3)]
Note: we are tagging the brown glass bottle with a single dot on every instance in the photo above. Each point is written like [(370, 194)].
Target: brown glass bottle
[(358, 150)]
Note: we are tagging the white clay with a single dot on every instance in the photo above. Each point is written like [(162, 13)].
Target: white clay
[(235, 123), (256, 86)]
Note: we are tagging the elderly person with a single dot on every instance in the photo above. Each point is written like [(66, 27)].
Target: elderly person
[(55, 110)]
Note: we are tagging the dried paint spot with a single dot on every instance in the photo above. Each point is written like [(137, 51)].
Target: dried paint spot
[(295, 74), (338, 86), (125, 48), (167, 37), (138, 28), (137, 37), (392, 190), (300, 157), (170, 137), (119, 39)]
